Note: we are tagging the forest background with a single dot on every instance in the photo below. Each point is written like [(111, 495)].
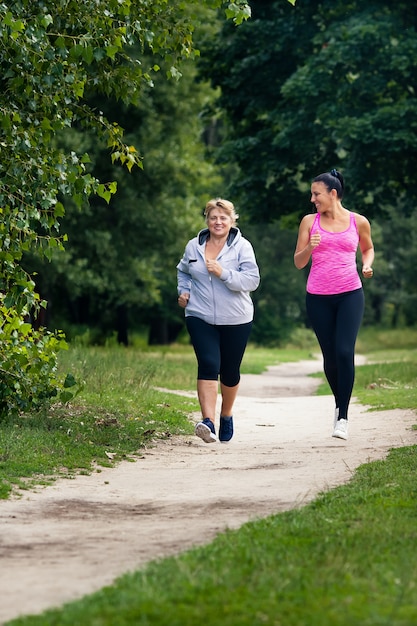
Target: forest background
[(147, 110)]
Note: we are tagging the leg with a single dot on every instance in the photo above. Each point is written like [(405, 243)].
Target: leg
[(205, 341), (321, 311), (232, 348), (233, 342), (207, 391), (349, 319), (228, 399)]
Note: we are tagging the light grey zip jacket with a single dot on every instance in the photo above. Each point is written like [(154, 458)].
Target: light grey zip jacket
[(219, 300)]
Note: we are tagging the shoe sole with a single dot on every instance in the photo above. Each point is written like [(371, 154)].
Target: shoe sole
[(340, 434), (204, 432)]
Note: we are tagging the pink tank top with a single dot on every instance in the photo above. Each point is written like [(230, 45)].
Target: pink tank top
[(333, 269)]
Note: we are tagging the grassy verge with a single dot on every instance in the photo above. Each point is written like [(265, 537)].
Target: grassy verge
[(349, 557), (116, 415), (389, 380)]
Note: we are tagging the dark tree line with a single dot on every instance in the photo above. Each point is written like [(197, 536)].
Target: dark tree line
[(325, 84)]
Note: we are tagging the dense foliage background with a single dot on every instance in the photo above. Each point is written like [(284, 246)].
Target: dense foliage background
[(325, 84), (291, 92)]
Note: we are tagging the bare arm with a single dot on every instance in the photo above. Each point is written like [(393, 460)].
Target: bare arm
[(305, 242), (366, 245)]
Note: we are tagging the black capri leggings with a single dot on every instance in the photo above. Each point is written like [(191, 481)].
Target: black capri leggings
[(219, 349), (336, 320)]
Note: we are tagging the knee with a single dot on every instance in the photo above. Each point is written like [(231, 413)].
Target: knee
[(230, 380), (208, 370), (345, 356)]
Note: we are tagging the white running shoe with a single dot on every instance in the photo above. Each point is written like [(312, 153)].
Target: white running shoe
[(341, 429)]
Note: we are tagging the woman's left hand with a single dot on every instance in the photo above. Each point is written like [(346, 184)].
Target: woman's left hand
[(367, 271)]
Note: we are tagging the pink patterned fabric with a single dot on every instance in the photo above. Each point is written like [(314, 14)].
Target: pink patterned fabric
[(333, 269)]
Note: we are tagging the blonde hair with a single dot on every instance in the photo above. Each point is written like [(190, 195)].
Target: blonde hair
[(224, 205)]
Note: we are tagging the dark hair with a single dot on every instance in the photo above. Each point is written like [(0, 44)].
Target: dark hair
[(332, 180)]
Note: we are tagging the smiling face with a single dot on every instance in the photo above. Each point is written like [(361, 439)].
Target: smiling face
[(321, 197), (219, 222)]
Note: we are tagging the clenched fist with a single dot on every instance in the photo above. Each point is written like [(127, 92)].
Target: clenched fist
[(183, 299)]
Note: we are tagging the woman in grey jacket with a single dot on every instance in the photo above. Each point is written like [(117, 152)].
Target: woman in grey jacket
[(215, 277)]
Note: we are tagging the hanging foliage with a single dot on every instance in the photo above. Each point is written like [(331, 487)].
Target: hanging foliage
[(53, 56)]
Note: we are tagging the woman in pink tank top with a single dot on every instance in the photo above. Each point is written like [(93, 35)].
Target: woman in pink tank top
[(334, 298)]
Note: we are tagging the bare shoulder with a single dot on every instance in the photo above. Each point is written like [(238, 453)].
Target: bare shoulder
[(307, 220), (363, 226), (361, 220)]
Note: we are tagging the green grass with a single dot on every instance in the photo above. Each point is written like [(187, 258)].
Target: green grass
[(348, 558), (117, 413), (389, 385), (389, 380), (374, 339)]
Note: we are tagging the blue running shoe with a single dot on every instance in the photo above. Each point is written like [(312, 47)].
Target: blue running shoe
[(206, 431), (226, 429)]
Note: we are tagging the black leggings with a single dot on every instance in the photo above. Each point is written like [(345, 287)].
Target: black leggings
[(336, 321), (219, 349)]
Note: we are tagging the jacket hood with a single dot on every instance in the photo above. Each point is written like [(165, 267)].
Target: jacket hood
[(203, 235)]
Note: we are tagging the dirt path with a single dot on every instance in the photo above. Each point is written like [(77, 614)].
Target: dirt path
[(72, 538)]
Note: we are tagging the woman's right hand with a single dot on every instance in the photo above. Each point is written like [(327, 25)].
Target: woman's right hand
[(314, 240), (183, 299)]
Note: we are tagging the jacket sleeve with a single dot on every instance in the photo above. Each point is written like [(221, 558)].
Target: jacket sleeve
[(183, 274), (246, 277)]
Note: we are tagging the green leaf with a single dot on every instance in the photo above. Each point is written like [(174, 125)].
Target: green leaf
[(47, 20), (111, 51), (88, 54), (59, 210), (65, 396), (69, 381), (103, 192)]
